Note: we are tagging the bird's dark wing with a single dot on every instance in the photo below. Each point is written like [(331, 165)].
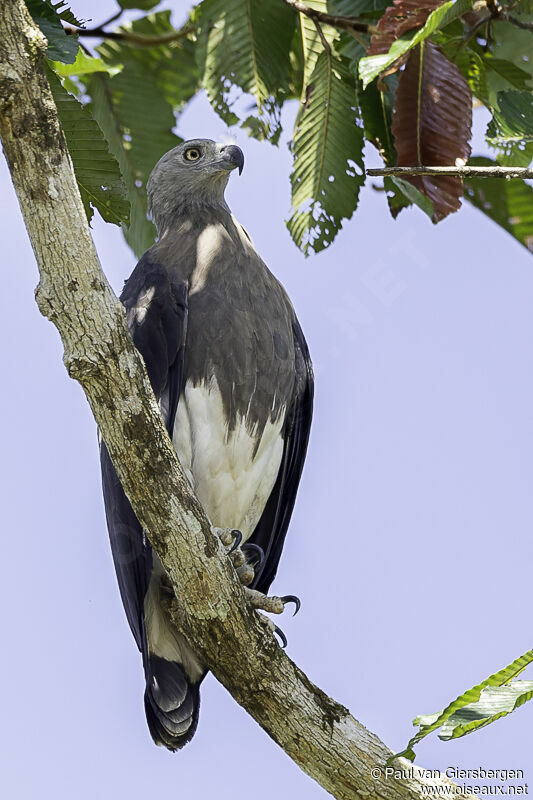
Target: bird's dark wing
[(156, 307), (270, 531)]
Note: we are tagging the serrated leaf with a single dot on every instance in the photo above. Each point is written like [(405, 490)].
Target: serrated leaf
[(371, 66), (512, 121), (431, 722), (328, 155), (97, 171), (47, 16), (245, 44), (171, 65), (63, 11), (508, 203), (137, 121), (312, 44), (432, 124), (83, 65)]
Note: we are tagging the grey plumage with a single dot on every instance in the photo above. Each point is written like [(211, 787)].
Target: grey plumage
[(229, 365)]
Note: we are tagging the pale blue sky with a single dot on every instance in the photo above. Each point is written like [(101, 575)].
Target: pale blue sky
[(410, 545)]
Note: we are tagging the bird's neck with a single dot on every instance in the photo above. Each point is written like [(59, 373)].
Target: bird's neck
[(181, 214)]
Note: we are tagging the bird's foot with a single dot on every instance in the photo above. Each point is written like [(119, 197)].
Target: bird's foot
[(246, 559), (273, 628), (274, 605)]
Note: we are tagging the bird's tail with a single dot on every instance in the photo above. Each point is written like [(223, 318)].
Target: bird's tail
[(171, 702)]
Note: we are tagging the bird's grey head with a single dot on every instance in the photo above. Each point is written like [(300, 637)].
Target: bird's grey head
[(191, 176)]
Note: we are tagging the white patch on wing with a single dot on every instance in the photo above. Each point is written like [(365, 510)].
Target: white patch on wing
[(138, 312), (246, 239), (231, 473), (207, 246), (164, 640)]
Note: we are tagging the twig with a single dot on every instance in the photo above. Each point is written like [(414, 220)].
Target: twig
[(138, 39), (325, 43), (498, 12), (526, 26), (461, 172), (350, 24), (112, 19)]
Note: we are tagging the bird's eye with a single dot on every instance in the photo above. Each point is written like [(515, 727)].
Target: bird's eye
[(192, 154)]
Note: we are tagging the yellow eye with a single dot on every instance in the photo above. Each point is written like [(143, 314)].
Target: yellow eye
[(192, 154)]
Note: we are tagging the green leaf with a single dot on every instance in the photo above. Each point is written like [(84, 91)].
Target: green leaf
[(246, 44), (371, 66), (137, 121), (64, 12), (97, 171), (513, 119), (357, 8), (513, 154), (83, 65), (311, 42), (413, 195), (513, 45), (328, 155), (48, 17), (431, 722), (510, 72), (508, 203), (494, 703), (144, 5), (376, 109), (473, 67), (171, 65)]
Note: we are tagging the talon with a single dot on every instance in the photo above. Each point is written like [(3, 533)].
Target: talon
[(236, 543), (291, 598), (281, 636), (255, 548)]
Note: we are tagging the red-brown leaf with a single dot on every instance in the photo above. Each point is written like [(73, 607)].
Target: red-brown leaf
[(432, 122), (402, 16)]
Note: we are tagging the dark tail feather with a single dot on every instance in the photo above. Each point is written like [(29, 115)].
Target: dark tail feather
[(171, 703)]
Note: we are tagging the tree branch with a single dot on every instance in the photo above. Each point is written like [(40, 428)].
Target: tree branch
[(461, 172), (349, 24), (316, 732), (137, 39)]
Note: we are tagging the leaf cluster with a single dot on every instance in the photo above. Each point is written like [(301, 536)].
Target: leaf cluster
[(402, 75)]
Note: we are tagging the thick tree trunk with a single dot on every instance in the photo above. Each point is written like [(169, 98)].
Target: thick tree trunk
[(318, 733)]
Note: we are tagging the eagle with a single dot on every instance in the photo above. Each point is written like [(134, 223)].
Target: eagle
[(230, 368)]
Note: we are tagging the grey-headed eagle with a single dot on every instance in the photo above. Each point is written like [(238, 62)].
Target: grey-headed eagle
[(230, 368)]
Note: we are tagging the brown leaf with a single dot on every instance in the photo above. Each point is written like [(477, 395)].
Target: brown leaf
[(432, 122), (402, 16)]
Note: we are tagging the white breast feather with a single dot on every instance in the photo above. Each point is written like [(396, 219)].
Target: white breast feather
[(233, 483)]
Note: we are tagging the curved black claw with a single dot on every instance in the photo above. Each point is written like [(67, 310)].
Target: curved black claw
[(236, 543), (291, 598), (281, 636), (250, 546)]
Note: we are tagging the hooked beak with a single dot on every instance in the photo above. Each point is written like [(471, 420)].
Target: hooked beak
[(234, 157)]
